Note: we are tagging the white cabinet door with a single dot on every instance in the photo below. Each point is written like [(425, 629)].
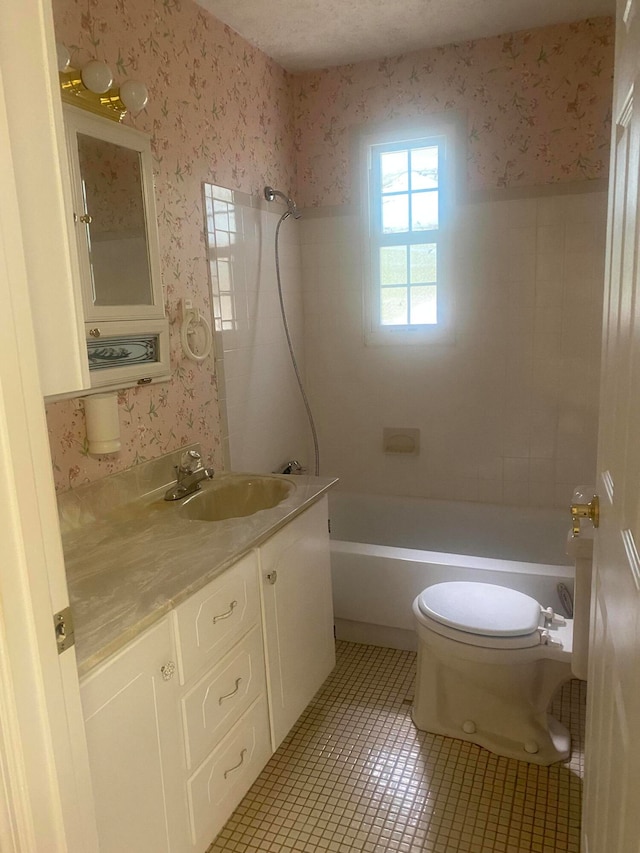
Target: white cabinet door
[(136, 754), (298, 611)]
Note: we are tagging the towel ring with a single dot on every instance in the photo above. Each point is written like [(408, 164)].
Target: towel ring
[(191, 319)]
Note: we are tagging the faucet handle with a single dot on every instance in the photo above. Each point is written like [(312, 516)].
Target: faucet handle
[(190, 461)]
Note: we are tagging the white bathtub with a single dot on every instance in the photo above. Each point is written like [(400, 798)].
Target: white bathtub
[(385, 551)]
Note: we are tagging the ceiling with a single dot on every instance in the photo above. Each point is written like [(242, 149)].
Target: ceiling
[(306, 34)]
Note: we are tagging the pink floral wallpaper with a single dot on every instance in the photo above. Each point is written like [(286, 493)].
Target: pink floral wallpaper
[(220, 111), (537, 105)]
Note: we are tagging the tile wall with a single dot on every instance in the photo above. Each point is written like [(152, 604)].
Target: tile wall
[(508, 413), (263, 422)]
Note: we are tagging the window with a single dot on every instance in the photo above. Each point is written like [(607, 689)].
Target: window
[(409, 182)]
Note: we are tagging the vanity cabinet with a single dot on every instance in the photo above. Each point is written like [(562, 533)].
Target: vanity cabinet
[(225, 719), (298, 615), (182, 720), (133, 727)]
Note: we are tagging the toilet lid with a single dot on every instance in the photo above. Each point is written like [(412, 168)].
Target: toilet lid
[(481, 608)]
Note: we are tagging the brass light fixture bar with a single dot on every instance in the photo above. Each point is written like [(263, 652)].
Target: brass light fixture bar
[(73, 91), (92, 88)]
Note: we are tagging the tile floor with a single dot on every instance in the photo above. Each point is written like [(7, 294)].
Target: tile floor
[(355, 775)]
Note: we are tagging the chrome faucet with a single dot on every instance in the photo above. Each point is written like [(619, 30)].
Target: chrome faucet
[(190, 473)]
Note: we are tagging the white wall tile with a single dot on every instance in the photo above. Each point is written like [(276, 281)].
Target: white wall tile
[(266, 423), (489, 406)]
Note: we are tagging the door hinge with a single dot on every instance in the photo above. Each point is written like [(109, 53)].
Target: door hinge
[(63, 626)]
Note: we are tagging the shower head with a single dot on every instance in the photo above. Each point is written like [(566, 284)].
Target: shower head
[(270, 194)]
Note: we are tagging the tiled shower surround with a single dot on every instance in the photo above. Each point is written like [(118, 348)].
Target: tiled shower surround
[(355, 776), (508, 410)]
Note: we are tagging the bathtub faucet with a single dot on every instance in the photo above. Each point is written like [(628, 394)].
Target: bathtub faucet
[(293, 467)]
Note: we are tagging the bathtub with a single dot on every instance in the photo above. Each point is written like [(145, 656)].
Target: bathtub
[(385, 551)]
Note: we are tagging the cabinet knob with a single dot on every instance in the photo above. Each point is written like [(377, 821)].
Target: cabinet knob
[(86, 218), (94, 333), (272, 577), (168, 670)]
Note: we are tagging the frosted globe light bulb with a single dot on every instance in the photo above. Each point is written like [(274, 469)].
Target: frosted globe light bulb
[(134, 95), (97, 76), (63, 56)]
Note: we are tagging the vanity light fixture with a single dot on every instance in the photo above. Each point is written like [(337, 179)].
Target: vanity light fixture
[(92, 88)]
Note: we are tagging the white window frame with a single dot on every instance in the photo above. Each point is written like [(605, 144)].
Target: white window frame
[(445, 132)]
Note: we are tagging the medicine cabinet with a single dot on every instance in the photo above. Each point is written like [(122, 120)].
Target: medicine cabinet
[(115, 220)]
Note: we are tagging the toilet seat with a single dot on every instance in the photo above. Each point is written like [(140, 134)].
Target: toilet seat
[(481, 608), (481, 614)]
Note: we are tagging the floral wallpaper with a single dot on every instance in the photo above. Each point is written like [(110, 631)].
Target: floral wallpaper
[(219, 110), (537, 105)]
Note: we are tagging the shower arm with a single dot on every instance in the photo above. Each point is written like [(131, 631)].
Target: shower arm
[(270, 194)]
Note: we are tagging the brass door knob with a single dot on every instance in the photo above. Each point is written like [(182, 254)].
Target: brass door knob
[(589, 510)]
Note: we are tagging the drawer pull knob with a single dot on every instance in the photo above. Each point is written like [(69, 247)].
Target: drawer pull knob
[(235, 766), (168, 670), (233, 692), (227, 613), (272, 577)]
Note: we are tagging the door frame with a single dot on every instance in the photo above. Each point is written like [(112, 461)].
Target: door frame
[(46, 804)]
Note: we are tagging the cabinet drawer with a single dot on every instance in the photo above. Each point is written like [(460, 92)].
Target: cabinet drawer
[(218, 700), (211, 622), (219, 784)]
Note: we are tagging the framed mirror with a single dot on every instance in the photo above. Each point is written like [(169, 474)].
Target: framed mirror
[(119, 257), (114, 227)]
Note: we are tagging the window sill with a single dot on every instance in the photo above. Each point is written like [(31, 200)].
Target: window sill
[(403, 336)]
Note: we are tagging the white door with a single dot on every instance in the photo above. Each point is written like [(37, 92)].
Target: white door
[(45, 795), (611, 816)]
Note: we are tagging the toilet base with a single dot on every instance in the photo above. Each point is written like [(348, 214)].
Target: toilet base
[(499, 701), (554, 741)]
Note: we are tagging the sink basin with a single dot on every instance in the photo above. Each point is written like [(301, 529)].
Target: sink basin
[(235, 497)]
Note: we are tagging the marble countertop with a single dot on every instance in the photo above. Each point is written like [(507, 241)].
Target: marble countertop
[(130, 566)]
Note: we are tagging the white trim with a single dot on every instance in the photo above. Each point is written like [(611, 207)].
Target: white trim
[(633, 559), (629, 13), (79, 121), (440, 125), (43, 757)]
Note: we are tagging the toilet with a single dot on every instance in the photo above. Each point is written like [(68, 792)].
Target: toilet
[(489, 661)]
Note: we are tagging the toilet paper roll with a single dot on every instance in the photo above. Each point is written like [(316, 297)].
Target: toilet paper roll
[(102, 423)]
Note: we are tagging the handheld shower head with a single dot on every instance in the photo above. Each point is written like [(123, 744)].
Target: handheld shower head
[(270, 194)]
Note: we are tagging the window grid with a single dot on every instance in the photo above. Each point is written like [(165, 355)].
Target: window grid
[(410, 233)]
